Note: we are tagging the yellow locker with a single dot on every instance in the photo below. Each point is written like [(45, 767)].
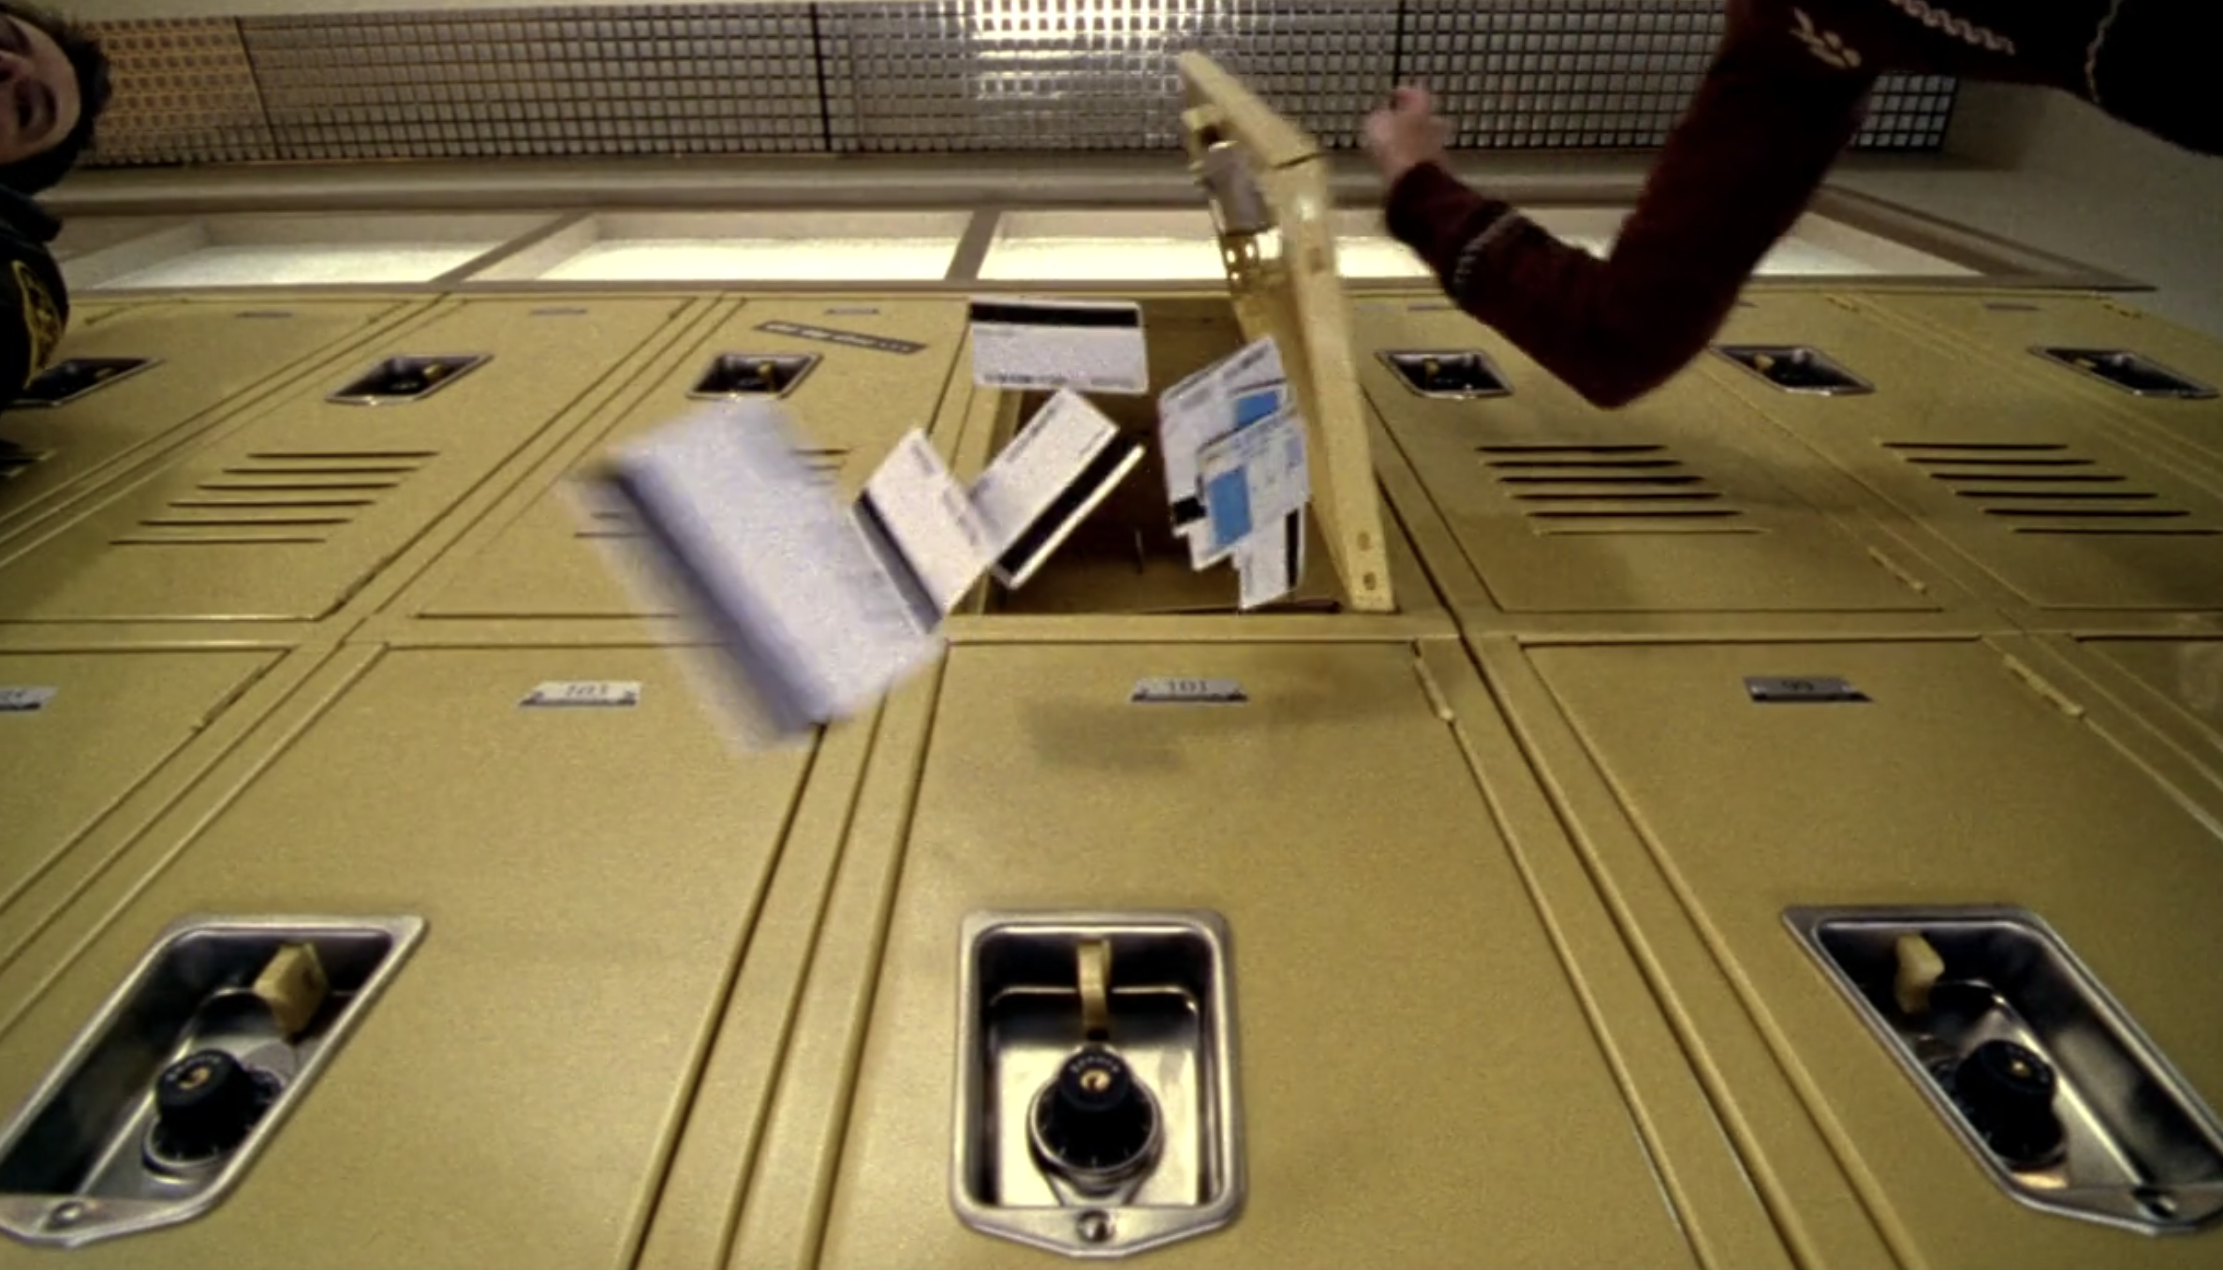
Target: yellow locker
[(284, 517), (1899, 855), (587, 873), (2165, 377), (79, 732), (1677, 504), (2188, 673), (2174, 684), (2025, 479), (855, 374), (1317, 955), (129, 376)]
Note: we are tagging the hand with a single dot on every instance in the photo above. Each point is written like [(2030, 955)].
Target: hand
[(1405, 134)]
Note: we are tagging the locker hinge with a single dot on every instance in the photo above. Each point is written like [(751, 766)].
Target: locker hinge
[(1896, 570), (2038, 683), (1432, 690)]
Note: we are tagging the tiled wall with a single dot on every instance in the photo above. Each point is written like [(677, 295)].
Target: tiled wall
[(922, 76)]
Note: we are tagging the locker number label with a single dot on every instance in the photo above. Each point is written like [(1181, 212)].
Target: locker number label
[(1222, 692), (584, 692), (24, 700), (1809, 689)]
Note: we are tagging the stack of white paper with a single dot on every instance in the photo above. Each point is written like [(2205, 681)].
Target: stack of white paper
[(821, 609)]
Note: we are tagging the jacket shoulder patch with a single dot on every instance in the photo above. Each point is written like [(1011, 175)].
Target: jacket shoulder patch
[(42, 319)]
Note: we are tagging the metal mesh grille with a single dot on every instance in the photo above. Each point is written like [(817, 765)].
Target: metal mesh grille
[(1573, 73), (1586, 74), (185, 95), (632, 80), (921, 75), (1088, 74), (1908, 112)]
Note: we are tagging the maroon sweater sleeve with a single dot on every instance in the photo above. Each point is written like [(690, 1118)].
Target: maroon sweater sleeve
[(1768, 121)]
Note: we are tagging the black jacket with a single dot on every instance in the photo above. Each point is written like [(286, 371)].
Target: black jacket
[(34, 305)]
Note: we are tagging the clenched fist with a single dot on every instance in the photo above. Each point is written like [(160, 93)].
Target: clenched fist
[(1405, 134)]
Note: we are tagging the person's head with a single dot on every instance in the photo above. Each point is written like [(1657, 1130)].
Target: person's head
[(53, 86)]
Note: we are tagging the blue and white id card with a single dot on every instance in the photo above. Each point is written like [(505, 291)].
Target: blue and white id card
[(1250, 479)]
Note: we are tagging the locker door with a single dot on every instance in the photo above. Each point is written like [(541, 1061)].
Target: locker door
[(128, 378), (2163, 376), (588, 876), (1672, 505), (78, 733), (284, 517), (2014, 472), (2179, 683), (546, 557), (1958, 784), (1411, 1069)]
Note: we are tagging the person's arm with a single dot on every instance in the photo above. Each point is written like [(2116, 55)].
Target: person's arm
[(1736, 173)]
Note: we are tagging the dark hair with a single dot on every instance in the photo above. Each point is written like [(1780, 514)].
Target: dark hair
[(45, 169)]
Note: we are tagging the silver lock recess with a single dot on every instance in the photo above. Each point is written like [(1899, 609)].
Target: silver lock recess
[(1794, 368), (403, 380), (1096, 1106), (162, 1103), (2121, 368), (2043, 1077), (68, 381)]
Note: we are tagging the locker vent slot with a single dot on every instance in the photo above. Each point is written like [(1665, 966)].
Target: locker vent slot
[(2046, 488), (291, 497), (606, 518), (1619, 488)]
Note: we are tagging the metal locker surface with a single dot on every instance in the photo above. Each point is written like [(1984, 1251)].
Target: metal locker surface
[(2176, 685), (541, 554), (2186, 672), (205, 358), (1961, 780), (78, 733), (283, 517), (2019, 475), (2008, 326), (589, 876), (1414, 1072), (1671, 505)]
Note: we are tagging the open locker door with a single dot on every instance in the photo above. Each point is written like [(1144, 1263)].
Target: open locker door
[(1267, 183)]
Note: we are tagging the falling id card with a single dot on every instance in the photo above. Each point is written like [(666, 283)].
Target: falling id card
[(1086, 345), (1251, 480), (1231, 394), (1269, 564), (818, 609), (1043, 484)]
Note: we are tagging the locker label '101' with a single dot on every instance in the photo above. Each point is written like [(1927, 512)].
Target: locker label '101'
[(584, 692), (1191, 691), (1778, 689), (24, 700)]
